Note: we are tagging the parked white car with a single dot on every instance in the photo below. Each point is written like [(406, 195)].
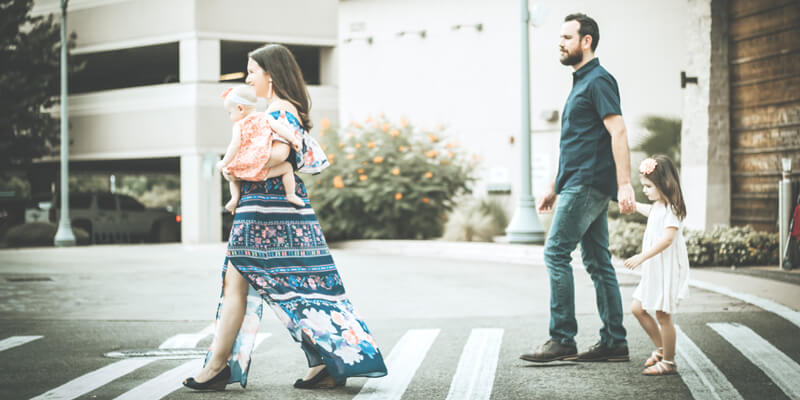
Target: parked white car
[(119, 218)]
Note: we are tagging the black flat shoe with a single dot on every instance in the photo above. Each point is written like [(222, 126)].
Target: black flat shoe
[(218, 382), (322, 380)]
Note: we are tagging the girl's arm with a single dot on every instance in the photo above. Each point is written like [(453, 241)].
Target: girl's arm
[(663, 243), (643, 209), (233, 148)]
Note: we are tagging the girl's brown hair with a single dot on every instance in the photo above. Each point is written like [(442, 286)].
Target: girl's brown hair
[(287, 79), (667, 180)]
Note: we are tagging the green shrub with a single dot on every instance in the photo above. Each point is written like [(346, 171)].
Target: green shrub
[(722, 246), (387, 181), (39, 234), (476, 220), (625, 238)]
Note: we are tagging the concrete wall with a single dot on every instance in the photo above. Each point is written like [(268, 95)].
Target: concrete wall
[(109, 24), (468, 81), (705, 135)]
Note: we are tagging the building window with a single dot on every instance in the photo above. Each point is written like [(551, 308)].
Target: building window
[(233, 60), (124, 68)]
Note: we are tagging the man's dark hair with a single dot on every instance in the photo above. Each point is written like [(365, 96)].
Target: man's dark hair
[(588, 27)]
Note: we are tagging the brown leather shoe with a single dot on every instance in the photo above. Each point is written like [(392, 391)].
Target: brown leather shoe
[(551, 351), (601, 352)]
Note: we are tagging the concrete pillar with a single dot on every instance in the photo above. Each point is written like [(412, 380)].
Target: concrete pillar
[(199, 60), (201, 199), (705, 133), (201, 195)]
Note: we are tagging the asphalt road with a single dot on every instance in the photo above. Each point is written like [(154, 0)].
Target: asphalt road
[(86, 302)]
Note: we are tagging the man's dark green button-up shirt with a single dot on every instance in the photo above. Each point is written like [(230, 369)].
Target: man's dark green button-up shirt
[(586, 157)]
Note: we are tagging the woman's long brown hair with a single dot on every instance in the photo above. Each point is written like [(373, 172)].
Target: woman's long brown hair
[(287, 79), (667, 180)]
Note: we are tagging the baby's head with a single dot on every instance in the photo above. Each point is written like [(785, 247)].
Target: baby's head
[(239, 101)]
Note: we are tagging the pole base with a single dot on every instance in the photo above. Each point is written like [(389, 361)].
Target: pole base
[(64, 236), (525, 226)]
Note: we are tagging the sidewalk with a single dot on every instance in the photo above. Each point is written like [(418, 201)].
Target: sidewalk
[(778, 291)]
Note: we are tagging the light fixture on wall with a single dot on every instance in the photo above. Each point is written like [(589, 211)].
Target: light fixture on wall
[(478, 27), (231, 76), (687, 79), (366, 39), (422, 33)]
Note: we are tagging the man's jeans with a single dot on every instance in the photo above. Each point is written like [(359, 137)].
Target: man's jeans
[(581, 216)]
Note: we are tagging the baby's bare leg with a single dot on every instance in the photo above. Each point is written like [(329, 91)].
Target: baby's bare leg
[(286, 173), (280, 152), (235, 187)]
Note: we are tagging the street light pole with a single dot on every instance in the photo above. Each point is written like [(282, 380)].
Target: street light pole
[(64, 235), (525, 226)]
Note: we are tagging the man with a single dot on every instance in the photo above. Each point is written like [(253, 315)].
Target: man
[(594, 167)]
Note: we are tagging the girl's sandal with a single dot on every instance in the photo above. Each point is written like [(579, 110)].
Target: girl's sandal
[(663, 367), (654, 358)]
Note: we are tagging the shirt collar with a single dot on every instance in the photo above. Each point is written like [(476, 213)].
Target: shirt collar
[(582, 71)]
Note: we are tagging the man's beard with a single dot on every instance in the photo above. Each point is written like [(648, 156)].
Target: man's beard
[(572, 58)]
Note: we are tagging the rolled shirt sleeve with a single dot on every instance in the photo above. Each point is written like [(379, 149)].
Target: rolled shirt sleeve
[(605, 96)]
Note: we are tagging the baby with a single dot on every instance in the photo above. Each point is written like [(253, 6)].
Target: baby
[(251, 145)]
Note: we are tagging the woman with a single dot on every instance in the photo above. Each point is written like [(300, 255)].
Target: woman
[(277, 252)]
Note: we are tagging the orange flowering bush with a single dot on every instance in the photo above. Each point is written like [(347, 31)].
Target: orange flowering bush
[(387, 180)]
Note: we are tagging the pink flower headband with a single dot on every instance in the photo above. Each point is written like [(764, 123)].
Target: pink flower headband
[(647, 166)]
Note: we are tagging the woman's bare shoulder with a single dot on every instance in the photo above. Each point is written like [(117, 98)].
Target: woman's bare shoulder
[(282, 105)]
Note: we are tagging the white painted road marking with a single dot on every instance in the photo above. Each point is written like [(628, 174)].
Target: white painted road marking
[(474, 376), (187, 340), (15, 341), (172, 380), (776, 365), (95, 379), (402, 363), (701, 376), (769, 305)]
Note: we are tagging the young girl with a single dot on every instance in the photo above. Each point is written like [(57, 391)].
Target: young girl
[(664, 260), (251, 144)]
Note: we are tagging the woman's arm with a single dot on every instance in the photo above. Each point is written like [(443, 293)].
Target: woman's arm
[(283, 105), (663, 243), (284, 130), (643, 209)]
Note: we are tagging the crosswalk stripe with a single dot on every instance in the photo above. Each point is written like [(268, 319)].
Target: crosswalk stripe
[(769, 305), (775, 364), (474, 376), (702, 377), (186, 340), (93, 380), (171, 380), (402, 363), (15, 341)]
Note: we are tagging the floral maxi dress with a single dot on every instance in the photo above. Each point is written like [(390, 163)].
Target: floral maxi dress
[(281, 252)]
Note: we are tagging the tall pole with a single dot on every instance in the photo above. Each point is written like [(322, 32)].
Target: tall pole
[(525, 226), (64, 235)]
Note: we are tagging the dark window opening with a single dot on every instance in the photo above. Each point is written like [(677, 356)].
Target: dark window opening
[(127, 203), (117, 69), (233, 60), (106, 201)]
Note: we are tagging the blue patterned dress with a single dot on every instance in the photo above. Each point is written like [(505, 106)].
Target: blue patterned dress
[(280, 250)]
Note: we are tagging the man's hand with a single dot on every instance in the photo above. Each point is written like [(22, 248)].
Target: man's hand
[(627, 202), (634, 261), (546, 202)]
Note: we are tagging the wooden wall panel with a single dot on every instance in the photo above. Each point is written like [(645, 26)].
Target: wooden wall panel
[(764, 54)]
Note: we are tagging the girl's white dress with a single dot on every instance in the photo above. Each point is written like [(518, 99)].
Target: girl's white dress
[(665, 276)]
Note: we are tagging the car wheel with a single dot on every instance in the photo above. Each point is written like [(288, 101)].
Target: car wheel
[(164, 232), (86, 226)]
